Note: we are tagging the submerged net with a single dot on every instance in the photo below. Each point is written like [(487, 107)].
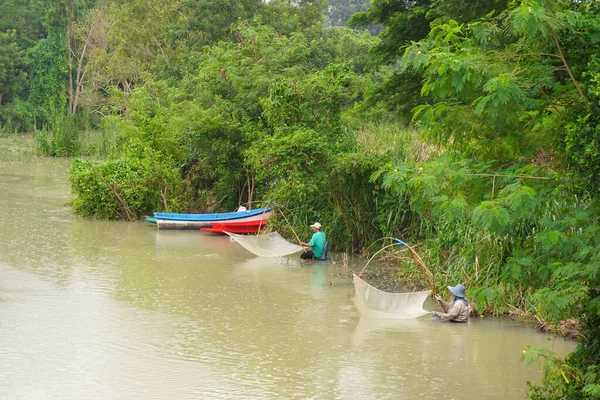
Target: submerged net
[(374, 303), (267, 244)]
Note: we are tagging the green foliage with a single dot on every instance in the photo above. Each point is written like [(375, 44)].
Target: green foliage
[(354, 200), (203, 22), (289, 17), (482, 101), (521, 199), (244, 101), (408, 22), (12, 74), (340, 11), (402, 21), (558, 375), (15, 115), (94, 198), (18, 116), (215, 104), (125, 188), (491, 216), (60, 135), (65, 139), (48, 72), (316, 102), (464, 12)]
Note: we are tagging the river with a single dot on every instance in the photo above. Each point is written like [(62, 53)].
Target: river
[(117, 310)]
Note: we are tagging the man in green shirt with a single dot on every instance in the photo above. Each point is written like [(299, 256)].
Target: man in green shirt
[(316, 246)]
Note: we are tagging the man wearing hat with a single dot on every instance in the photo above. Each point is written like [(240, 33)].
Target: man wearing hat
[(316, 245), (458, 309)]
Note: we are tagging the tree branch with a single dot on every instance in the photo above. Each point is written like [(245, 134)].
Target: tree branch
[(514, 176), (562, 57)]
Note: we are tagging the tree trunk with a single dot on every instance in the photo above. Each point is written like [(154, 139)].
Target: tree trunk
[(80, 74), (69, 55)]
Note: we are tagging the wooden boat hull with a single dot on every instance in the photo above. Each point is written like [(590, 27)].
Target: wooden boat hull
[(227, 216), (191, 224), (236, 226)]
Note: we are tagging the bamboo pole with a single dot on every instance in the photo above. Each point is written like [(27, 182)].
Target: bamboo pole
[(368, 262), (426, 273), (288, 222), (373, 256)]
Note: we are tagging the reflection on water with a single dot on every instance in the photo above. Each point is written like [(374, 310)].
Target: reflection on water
[(115, 310)]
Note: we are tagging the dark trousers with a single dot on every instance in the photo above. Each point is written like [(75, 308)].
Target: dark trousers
[(307, 255)]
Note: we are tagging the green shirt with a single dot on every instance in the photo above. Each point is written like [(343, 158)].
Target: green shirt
[(317, 242)]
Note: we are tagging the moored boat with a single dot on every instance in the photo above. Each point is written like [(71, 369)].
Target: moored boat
[(236, 226), (166, 221)]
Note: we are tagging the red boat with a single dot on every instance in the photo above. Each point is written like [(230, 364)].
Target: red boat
[(236, 226)]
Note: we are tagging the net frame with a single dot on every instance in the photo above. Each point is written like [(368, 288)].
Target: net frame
[(270, 244), (375, 303)]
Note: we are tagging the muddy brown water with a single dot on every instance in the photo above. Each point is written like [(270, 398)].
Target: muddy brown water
[(116, 310)]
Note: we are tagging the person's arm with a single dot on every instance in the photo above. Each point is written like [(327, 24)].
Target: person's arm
[(309, 244), (445, 305)]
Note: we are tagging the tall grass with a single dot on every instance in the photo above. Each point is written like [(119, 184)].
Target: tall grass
[(100, 143), (456, 250), (59, 135), (75, 135), (394, 139), (16, 147), (65, 135)]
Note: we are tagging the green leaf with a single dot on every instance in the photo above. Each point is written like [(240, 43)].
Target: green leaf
[(491, 216), (520, 199)]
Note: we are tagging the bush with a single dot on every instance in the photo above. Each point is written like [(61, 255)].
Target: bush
[(126, 188)]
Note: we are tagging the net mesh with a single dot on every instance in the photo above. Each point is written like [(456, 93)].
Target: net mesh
[(374, 303), (266, 244)]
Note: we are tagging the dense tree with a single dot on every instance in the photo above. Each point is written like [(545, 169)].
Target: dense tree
[(340, 12), (255, 91), (49, 71), (485, 104), (514, 95), (205, 22), (88, 48), (26, 18), (406, 21), (12, 73), (215, 103)]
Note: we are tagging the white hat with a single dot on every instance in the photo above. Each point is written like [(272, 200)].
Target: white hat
[(316, 225)]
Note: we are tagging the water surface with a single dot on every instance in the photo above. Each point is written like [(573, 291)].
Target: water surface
[(116, 310)]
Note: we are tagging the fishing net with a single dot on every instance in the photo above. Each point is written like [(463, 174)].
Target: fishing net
[(374, 303), (266, 244)]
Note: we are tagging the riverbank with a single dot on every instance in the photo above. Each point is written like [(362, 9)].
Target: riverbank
[(21, 147), (388, 279)]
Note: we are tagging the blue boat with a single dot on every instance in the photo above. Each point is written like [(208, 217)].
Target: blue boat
[(197, 221)]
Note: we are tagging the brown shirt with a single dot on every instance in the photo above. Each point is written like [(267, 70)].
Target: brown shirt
[(457, 311)]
